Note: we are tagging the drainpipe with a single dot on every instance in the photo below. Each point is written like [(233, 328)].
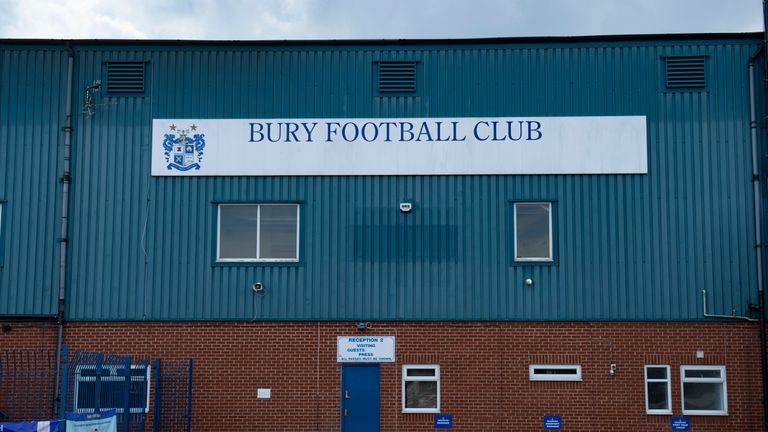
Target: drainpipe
[(758, 204), (758, 231), (65, 181)]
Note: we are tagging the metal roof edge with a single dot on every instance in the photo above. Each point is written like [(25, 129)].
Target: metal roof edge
[(354, 42)]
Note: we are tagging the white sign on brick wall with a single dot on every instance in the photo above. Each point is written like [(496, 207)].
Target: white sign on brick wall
[(362, 349)]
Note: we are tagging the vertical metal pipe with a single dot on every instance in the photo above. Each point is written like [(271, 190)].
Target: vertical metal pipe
[(758, 233), (755, 177), (65, 181), (65, 374), (761, 292), (758, 204)]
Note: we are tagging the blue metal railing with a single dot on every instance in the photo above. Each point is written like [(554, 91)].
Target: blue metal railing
[(27, 383), (173, 396), (94, 382)]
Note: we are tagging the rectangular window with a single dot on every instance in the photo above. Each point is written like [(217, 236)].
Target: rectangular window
[(539, 372), (111, 388), (258, 232), (533, 231), (704, 390), (658, 392), (421, 388)]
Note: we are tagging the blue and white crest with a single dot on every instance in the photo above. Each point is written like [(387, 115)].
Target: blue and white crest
[(183, 148)]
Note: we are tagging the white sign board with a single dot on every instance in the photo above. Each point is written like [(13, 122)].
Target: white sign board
[(105, 421), (399, 146), (371, 349)]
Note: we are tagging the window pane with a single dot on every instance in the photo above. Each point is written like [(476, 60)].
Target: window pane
[(706, 373), (657, 396), (656, 372), (421, 372), (532, 230), (703, 396), (237, 231), (420, 394), (278, 231)]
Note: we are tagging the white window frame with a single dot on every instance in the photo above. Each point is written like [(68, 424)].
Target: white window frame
[(551, 257), (667, 380), (112, 377), (258, 206), (435, 378), (533, 376), (722, 380)]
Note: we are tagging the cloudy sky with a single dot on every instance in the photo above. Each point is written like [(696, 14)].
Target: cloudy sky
[(369, 19)]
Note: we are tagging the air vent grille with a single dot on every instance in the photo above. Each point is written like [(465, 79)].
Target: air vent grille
[(397, 77), (685, 72), (125, 77)]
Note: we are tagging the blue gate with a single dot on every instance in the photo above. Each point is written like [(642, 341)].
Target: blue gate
[(96, 382)]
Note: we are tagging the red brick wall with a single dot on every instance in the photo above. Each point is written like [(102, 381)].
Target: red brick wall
[(483, 366)]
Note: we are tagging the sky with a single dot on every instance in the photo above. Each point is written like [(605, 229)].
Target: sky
[(368, 19)]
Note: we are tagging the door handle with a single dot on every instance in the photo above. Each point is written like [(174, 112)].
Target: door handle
[(345, 412), (346, 394)]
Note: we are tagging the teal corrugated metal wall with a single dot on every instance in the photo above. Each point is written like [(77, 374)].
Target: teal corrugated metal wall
[(32, 100), (631, 247)]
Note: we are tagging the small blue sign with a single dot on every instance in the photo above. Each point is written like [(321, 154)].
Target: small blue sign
[(553, 422), (681, 423), (443, 421)]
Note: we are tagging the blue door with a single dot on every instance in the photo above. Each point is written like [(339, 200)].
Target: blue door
[(360, 398)]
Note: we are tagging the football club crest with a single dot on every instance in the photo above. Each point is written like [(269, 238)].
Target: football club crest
[(183, 148)]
